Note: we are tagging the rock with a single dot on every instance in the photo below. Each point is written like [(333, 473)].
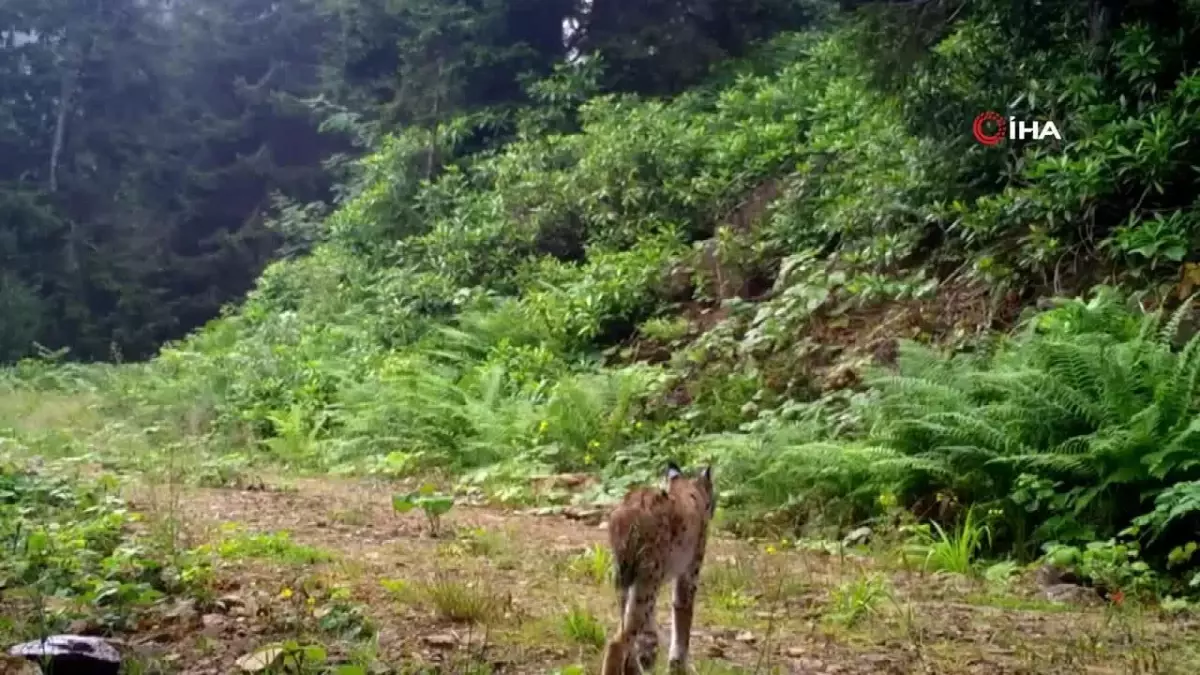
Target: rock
[(441, 641), (1051, 575), (182, 610), (260, 659), (843, 376), (794, 652), (228, 601), (857, 536), (746, 637), (212, 624), (71, 655), (715, 651), (1062, 585), (584, 515), (1072, 594)]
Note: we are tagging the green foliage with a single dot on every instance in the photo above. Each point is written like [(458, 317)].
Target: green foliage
[(1066, 433), (237, 544), (1102, 415), (595, 565), (583, 628), (432, 504), (140, 144), (954, 551), (69, 554), (1113, 564), (154, 157), (289, 657), (855, 600)]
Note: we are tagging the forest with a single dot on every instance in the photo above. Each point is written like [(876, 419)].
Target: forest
[(332, 328), (149, 146)]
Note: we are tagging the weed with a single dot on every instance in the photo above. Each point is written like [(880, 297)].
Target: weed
[(431, 503), (952, 551), (854, 600), (237, 544), (582, 627), (730, 584), (225, 471), (69, 552), (594, 564), (289, 657), (459, 601), (295, 439), (400, 589), (481, 542), (999, 575)]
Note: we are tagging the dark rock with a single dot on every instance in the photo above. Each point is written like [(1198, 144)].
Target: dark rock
[(71, 655)]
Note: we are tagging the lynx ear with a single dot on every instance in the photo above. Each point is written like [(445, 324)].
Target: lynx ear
[(673, 471), (706, 477)]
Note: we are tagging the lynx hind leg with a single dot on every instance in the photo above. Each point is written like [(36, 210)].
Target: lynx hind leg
[(638, 630), (647, 644), (619, 658), (682, 608)]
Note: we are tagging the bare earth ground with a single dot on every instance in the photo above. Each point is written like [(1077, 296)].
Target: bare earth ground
[(520, 576)]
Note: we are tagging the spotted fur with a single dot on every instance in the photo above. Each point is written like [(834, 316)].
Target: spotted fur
[(658, 535)]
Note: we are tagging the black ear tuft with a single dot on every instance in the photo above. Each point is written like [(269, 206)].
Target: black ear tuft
[(706, 473), (673, 470)]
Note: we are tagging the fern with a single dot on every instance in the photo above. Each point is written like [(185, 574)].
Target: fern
[(1092, 397)]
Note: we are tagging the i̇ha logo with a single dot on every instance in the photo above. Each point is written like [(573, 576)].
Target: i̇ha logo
[(990, 128)]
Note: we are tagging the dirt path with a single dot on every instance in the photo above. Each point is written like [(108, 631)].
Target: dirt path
[(530, 595)]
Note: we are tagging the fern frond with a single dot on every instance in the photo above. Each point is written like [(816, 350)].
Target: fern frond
[(1169, 330), (1054, 464)]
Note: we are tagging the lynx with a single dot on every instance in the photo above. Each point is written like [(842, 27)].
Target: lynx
[(658, 535)]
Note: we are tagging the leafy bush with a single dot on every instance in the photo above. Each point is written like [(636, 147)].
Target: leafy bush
[(69, 540)]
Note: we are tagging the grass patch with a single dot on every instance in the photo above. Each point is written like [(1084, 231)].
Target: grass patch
[(854, 600), (594, 565), (237, 544), (582, 627), (460, 601), (731, 586), (953, 550)]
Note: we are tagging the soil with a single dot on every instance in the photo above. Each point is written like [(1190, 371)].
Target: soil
[(763, 606)]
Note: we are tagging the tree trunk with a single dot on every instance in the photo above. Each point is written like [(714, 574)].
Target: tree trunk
[(437, 99), (65, 96)]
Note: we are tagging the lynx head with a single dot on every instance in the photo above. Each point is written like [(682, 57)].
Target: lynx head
[(701, 483)]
